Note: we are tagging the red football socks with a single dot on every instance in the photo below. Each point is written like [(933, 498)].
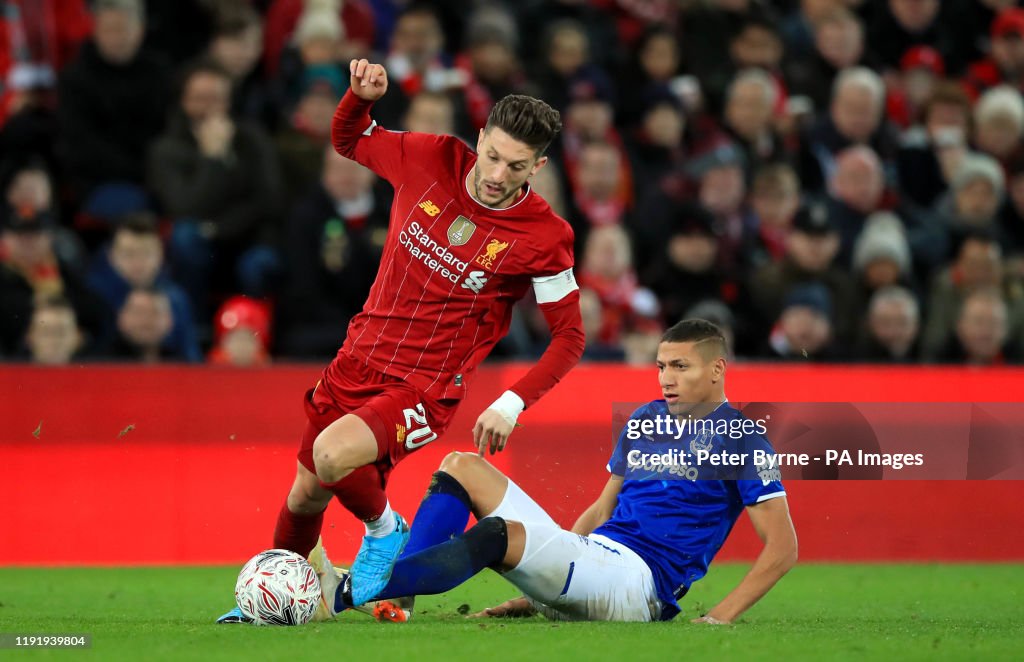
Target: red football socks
[(361, 492), (297, 532)]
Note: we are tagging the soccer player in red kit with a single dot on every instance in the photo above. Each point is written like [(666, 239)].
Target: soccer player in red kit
[(467, 239)]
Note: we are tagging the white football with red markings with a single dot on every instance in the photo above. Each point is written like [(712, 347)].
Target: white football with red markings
[(278, 587)]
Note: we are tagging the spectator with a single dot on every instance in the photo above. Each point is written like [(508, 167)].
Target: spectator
[(921, 71), (893, 327), (430, 112), (589, 120), (315, 52), (241, 333), (490, 67), (236, 45), (838, 45), (219, 180), (811, 249), (1011, 216), (113, 100), (774, 200), (283, 16), (53, 336), (592, 314), (135, 260), (28, 188), (1005, 61), (749, 110), (881, 257), (591, 20), (798, 27), (49, 32), (709, 29), (975, 198), (656, 145), (143, 324), (979, 265), (722, 190), (333, 245), (607, 269), (566, 56), (901, 24), (599, 196), (32, 268), (415, 62), (855, 118), (803, 330), (652, 66), (300, 145), (930, 152), (999, 122), (179, 29), (688, 269), (982, 331), (758, 44), (855, 192)]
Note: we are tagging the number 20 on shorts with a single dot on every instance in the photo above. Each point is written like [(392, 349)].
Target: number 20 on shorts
[(416, 430)]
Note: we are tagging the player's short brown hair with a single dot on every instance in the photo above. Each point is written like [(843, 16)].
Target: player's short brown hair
[(526, 119), (708, 338)]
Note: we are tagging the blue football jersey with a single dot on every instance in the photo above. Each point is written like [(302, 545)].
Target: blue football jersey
[(678, 504)]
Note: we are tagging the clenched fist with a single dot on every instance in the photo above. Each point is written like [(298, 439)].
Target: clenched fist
[(369, 81)]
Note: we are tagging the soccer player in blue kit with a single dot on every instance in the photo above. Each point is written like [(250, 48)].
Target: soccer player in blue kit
[(635, 552)]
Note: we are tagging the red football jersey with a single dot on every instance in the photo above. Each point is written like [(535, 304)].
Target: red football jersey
[(452, 268)]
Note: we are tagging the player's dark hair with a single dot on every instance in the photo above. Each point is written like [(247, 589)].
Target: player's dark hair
[(526, 119), (710, 338)]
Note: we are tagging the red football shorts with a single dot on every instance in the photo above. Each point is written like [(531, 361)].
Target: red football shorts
[(402, 419)]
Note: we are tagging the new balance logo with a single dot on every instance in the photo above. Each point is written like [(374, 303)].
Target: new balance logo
[(475, 281), (431, 209)]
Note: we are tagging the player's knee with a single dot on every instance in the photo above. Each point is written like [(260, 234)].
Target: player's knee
[(461, 466), (329, 459), (488, 540)]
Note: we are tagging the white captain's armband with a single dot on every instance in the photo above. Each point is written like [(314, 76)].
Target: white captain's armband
[(550, 289)]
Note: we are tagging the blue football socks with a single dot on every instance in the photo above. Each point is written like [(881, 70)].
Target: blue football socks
[(442, 515)]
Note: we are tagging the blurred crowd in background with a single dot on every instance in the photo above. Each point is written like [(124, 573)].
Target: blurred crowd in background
[(829, 180)]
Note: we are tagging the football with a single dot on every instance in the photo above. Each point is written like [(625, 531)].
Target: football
[(278, 587)]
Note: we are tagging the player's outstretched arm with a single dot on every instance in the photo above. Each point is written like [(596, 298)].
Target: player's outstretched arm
[(775, 528), (601, 510), (497, 422)]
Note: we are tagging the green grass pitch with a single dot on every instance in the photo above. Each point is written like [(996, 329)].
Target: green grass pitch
[(818, 611)]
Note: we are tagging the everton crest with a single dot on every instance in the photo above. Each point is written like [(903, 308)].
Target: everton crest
[(703, 440)]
